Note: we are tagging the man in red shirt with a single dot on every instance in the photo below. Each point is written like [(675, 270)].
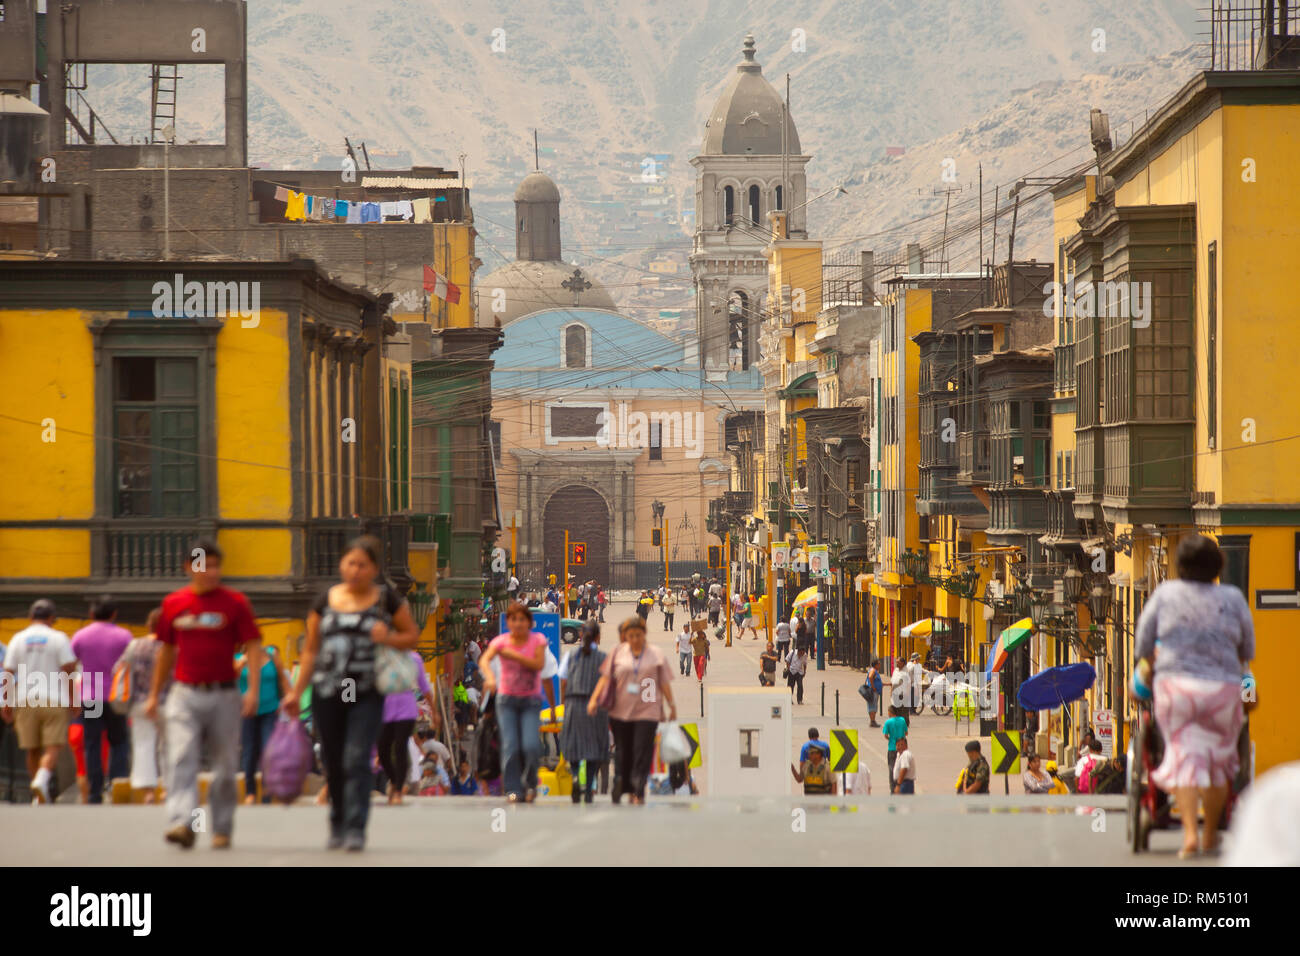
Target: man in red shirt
[(202, 627)]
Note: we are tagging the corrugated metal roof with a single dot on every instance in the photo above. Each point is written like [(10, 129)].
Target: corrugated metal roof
[(411, 182)]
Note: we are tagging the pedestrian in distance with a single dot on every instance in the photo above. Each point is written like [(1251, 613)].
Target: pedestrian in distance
[(669, 604), (518, 699), (904, 769), (977, 771), (601, 603), (700, 651), (642, 680), (584, 738), (767, 666), (900, 690), (255, 731), (684, 649), (783, 639), (875, 683), (202, 627), (815, 773), (40, 659), (643, 606), (797, 667), (401, 711), (1035, 779), (98, 646), (893, 730), (345, 626), (749, 619), (814, 741), (148, 740), (714, 604)]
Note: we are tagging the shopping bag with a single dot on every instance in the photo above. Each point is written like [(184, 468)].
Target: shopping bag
[(395, 671), (286, 761), (673, 743)]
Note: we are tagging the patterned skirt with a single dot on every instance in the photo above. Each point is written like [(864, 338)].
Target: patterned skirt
[(583, 737), (1200, 721)]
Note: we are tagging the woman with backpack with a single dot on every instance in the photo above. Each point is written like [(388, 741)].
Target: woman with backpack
[(584, 738), (345, 626)]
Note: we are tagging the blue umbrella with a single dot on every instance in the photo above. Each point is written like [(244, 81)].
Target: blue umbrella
[(1056, 686)]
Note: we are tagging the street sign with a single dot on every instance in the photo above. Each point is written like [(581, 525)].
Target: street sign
[(1105, 721), (692, 732), (844, 750), (546, 623), (1006, 751), (1276, 600)]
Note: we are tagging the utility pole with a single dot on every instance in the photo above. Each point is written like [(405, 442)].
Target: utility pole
[(564, 585), (169, 134), (727, 603), (663, 537), (514, 542)]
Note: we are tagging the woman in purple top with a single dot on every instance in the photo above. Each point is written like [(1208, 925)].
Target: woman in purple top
[(400, 714)]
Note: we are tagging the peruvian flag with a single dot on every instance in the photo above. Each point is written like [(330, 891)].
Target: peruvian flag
[(441, 286)]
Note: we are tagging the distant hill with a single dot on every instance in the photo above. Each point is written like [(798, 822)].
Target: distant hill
[(1005, 82)]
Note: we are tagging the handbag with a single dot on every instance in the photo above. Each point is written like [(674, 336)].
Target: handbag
[(607, 697), (286, 760), (673, 745), (395, 671)]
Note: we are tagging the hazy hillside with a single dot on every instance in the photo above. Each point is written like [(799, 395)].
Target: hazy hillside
[(606, 84)]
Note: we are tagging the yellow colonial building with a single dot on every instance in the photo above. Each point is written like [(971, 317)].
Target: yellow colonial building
[(149, 404)]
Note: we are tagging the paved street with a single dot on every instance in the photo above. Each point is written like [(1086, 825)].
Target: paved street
[(925, 830), (933, 827)]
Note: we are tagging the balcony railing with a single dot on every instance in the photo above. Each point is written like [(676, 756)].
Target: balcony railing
[(155, 550)]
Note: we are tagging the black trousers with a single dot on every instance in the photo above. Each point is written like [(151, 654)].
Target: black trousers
[(113, 724), (348, 731), (634, 751), (796, 682), (668, 620), (394, 755)]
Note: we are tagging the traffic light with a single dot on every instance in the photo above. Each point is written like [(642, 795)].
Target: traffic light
[(656, 537), (580, 553), (715, 556)]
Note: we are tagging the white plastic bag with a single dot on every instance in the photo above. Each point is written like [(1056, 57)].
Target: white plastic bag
[(674, 746)]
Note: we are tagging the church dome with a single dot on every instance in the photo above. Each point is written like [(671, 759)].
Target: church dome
[(746, 120), (523, 287), (537, 187)]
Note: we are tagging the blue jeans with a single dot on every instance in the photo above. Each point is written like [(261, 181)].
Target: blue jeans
[(119, 760), (254, 732), (521, 742)]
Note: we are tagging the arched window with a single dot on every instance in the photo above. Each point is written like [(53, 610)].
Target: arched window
[(728, 205), (754, 194), (738, 331), (575, 347)]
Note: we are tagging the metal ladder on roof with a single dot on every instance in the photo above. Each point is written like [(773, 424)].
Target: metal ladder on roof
[(164, 80)]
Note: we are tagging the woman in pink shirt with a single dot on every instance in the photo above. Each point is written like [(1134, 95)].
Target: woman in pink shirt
[(518, 700), (641, 677)]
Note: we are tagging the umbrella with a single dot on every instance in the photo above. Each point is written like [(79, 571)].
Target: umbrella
[(806, 596), (921, 628), (1056, 686), (1010, 638)]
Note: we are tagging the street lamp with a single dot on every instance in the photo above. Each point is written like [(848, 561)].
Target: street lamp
[(1038, 609), (421, 601), (1073, 582), (1099, 601)]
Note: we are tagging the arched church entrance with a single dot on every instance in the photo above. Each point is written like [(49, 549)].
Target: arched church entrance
[(585, 515)]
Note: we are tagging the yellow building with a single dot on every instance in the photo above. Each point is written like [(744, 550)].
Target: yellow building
[(150, 404), (1182, 421)]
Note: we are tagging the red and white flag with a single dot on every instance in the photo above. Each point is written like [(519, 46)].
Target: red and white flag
[(441, 286)]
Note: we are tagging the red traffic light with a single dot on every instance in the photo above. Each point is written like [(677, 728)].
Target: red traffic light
[(579, 553)]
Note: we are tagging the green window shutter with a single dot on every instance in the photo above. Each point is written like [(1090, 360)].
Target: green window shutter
[(394, 496), (177, 491), (404, 443)]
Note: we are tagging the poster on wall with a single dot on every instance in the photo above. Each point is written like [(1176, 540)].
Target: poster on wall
[(819, 561), (780, 555)]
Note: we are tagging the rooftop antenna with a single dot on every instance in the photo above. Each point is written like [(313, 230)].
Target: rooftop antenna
[(537, 162)]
